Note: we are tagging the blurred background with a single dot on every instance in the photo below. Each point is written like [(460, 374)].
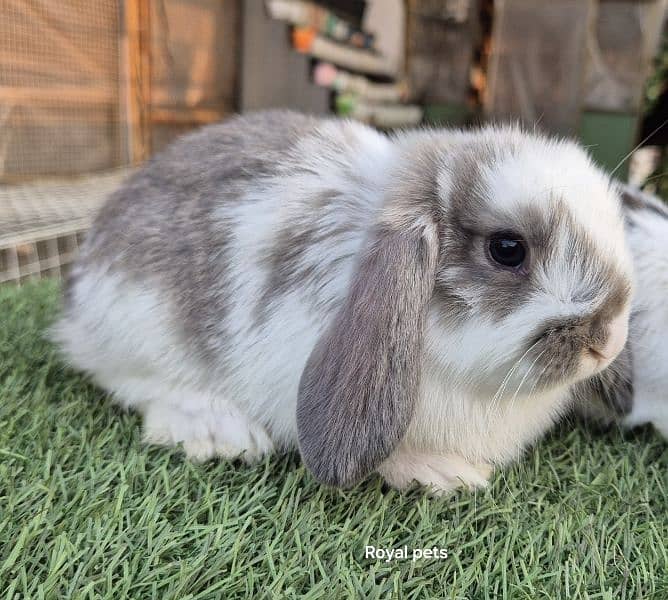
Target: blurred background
[(90, 90)]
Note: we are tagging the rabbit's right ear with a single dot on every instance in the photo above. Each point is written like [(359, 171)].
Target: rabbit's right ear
[(358, 390)]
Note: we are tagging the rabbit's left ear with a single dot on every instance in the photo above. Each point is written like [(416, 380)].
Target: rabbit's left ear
[(358, 390)]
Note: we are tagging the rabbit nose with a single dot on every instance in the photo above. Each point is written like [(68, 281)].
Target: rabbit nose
[(617, 332)]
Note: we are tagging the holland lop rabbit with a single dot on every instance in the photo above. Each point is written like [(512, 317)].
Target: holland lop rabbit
[(633, 390), (417, 305)]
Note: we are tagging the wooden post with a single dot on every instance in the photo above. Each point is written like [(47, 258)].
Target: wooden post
[(538, 61), (137, 76)]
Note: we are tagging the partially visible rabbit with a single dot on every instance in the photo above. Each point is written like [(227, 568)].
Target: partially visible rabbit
[(634, 389), (418, 304)]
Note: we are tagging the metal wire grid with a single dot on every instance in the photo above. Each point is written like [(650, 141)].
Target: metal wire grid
[(59, 88), (42, 225)]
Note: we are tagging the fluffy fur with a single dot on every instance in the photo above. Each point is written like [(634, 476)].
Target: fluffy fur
[(632, 390), (278, 280)]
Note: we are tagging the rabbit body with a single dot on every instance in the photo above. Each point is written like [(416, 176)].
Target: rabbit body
[(242, 292)]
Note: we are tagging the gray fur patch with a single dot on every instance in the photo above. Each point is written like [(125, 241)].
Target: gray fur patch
[(161, 229), (285, 261), (332, 218), (561, 342)]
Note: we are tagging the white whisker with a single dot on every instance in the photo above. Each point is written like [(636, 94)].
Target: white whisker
[(535, 383), (517, 391), (502, 388), (640, 143)]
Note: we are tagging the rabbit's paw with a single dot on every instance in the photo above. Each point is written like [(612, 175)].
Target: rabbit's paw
[(207, 433), (441, 473)]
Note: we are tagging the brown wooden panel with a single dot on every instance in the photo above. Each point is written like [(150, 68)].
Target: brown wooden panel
[(537, 63), (137, 77), (195, 51), (619, 53)]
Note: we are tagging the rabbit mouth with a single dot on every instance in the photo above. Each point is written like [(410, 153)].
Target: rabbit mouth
[(574, 349)]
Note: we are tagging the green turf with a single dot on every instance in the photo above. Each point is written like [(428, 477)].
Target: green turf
[(86, 511)]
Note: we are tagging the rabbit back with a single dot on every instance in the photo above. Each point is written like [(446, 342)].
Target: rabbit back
[(220, 262)]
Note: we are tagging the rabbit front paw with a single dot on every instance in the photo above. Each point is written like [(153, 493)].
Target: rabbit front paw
[(206, 434), (441, 473)]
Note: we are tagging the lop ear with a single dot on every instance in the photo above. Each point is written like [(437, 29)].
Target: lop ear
[(358, 390)]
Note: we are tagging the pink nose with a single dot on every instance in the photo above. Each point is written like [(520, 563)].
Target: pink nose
[(618, 330)]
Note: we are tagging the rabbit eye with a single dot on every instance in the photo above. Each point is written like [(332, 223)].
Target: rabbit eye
[(507, 249)]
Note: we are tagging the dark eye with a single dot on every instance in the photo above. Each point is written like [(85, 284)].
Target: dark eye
[(507, 249)]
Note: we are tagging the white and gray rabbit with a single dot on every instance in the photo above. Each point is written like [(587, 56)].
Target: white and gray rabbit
[(634, 389), (416, 304)]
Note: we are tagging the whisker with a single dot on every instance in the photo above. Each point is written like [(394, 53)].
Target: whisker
[(654, 177), (508, 376), (502, 388), (535, 383), (517, 391), (640, 143)]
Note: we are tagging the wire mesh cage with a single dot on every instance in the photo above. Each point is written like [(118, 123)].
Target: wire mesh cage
[(60, 116), (42, 224), (59, 88), (88, 89)]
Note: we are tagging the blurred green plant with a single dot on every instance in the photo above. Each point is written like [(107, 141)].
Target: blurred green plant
[(657, 182), (659, 77)]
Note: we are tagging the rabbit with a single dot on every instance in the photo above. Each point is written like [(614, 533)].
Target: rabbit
[(633, 390), (417, 305)]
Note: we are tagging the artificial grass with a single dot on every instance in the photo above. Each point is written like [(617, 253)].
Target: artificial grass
[(87, 511)]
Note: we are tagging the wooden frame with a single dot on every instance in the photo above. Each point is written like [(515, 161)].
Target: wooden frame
[(136, 49), (140, 111)]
